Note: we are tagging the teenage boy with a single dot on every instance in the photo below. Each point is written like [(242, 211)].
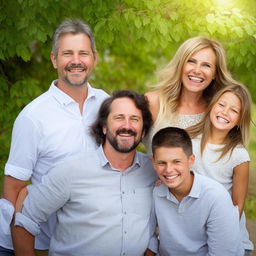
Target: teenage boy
[(194, 214)]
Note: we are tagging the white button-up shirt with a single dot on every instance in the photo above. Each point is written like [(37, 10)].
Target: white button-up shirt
[(48, 130), (101, 211)]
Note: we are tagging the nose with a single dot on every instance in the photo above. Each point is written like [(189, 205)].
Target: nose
[(126, 124), (197, 69), (76, 59), (169, 168), (224, 111)]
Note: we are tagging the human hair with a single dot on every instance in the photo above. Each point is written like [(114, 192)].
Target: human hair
[(238, 134), (172, 137), (140, 102), (72, 26), (170, 83)]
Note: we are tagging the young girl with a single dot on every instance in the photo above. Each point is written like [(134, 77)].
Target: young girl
[(219, 146)]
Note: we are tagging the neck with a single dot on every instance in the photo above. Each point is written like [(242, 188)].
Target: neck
[(118, 160), (217, 137), (77, 93), (191, 103)]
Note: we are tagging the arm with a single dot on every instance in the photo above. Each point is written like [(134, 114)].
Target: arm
[(12, 187), (23, 241), (42, 200), (153, 241), (149, 253), (154, 104), (240, 185), (222, 227)]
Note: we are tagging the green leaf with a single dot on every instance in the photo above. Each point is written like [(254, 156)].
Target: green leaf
[(210, 18)]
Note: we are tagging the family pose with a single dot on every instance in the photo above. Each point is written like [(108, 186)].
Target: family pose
[(93, 194)]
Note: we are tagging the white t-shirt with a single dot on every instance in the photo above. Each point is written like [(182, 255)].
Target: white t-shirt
[(221, 171), (48, 130)]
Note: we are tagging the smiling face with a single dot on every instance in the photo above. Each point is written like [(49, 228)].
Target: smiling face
[(199, 70), (75, 60), (124, 126), (173, 168), (225, 113)]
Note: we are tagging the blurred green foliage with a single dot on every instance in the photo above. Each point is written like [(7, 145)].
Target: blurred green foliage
[(134, 39)]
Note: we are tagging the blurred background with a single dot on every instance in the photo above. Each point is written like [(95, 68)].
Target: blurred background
[(134, 38)]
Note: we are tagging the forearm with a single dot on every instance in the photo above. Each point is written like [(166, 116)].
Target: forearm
[(148, 252), (23, 242), (12, 187)]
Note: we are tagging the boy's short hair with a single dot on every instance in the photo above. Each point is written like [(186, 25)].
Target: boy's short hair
[(171, 137)]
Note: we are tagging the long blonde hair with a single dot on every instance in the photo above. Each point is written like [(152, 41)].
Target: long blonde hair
[(239, 134), (170, 84)]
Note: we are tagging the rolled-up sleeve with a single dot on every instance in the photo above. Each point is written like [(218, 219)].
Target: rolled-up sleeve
[(6, 215), (44, 199), (23, 155)]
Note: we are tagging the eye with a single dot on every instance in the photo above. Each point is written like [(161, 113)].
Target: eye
[(118, 118), (221, 104), (207, 65), (135, 119), (84, 54), (191, 61), (66, 54), (160, 163), (235, 111)]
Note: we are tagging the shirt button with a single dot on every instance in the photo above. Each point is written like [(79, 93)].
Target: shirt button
[(125, 232), (123, 192)]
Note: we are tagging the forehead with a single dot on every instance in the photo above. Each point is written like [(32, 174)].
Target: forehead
[(71, 41), (230, 98), (170, 153), (205, 54), (125, 106)]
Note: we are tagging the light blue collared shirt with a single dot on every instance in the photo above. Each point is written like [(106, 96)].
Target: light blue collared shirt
[(204, 223), (100, 210)]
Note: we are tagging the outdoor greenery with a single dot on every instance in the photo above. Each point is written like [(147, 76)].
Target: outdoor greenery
[(134, 39)]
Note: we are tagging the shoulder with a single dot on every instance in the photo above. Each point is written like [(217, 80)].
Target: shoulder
[(154, 102), (99, 93), (36, 104), (74, 165), (239, 155), (210, 188)]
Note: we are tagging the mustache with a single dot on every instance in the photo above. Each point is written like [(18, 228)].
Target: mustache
[(127, 131), (78, 66)]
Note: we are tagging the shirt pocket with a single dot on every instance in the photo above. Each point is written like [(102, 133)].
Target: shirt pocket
[(141, 201)]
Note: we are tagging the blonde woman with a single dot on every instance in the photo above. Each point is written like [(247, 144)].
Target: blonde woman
[(219, 146), (187, 84)]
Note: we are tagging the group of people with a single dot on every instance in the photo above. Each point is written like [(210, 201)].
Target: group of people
[(92, 193)]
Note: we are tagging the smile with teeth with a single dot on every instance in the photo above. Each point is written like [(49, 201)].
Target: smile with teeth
[(195, 79), (171, 177), (222, 119)]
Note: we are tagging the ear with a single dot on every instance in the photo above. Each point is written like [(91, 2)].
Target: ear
[(96, 57), (54, 60), (104, 130), (191, 160)]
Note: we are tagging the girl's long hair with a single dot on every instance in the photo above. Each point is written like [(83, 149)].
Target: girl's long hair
[(239, 134)]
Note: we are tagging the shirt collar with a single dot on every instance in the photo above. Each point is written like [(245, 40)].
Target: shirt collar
[(65, 99), (104, 161)]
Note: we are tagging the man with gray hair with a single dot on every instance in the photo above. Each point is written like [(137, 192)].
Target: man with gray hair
[(53, 126)]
